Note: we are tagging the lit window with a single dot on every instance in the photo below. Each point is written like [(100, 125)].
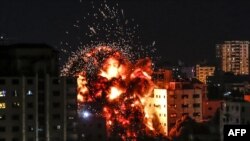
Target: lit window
[(15, 104), (173, 115), (29, 92), (2, 117), (2, 105), (2, 93), (14, 93)]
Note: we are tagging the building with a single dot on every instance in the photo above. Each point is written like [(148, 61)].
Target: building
[(202, 72), (35, 103), (233, 56), (184, 99), (234, 112), (162, 77), (156, 111), (210, 107)]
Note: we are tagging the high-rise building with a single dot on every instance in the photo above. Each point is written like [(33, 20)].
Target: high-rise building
[(202, 72), (35, 103), (233, 56)]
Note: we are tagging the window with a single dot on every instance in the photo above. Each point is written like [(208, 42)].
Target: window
[(173, 96), (196, 96), (15, 117), (15, 81), (29, 81), (56, 104), (56, 116), (196, 105), (173, 115), (56, 93), (29, 93), (184, 96), (2, 117), (196, 114), (184, 105), (30, 117), (2, 93), (2, 105), (15, 128), (16, 104), (57, 127), (30, 105), (184, 114), (14, 93), (31, 129), (71, 117), (2, 129), (2, 82), (173, 105)]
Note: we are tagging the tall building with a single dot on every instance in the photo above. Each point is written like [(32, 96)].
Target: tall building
[(202, 72), (233, 56), (35, 103)]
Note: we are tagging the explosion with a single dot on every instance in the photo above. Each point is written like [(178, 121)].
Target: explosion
[(121, 88), (110, 76)]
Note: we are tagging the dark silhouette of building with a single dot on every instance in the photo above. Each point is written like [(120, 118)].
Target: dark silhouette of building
[(35, 103)]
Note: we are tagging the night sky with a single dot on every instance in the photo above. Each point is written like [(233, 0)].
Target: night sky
[(183, 30)]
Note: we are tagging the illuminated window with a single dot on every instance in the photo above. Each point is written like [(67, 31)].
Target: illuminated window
[(29, 92), (2, 117), (2, 93), (14, 93), (2, 105), (173, 115), (16, 104), (31, 129)]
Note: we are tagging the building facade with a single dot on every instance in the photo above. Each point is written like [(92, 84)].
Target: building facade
[(184, 99), (156, 111), (234, 112), (202, 72), (35, 103), (233, 56)]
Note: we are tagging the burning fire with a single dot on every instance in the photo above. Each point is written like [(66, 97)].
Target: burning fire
[(122, 88)]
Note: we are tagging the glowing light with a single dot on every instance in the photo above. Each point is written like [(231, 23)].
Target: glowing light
[(114, 93), (85, 114)]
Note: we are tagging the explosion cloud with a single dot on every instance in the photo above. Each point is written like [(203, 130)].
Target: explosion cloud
[(112, 73)]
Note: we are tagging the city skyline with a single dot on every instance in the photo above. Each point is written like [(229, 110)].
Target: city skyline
[(189, 29)]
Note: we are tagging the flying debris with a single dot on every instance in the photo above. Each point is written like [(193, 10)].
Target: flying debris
[(113, 69)]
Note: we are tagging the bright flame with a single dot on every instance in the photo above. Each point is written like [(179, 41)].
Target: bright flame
[(114, 93), (124, 89)]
